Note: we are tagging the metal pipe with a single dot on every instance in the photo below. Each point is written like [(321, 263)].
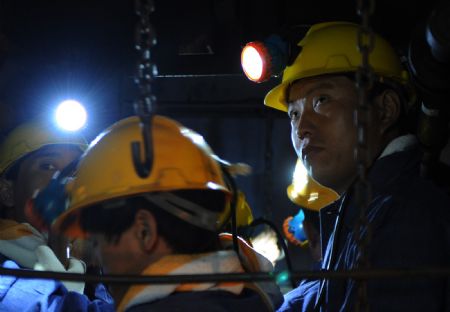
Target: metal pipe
[(229, 277)]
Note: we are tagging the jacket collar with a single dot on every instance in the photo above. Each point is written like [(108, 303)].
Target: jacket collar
[(400, 155)]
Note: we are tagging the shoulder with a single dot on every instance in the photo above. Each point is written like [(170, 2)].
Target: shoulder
[(19, 294), (301, 297), (415, 198), (411, 218), (23, 294), (203, 301), (400, 191)]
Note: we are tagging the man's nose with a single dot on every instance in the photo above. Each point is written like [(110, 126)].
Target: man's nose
[(305, 124)]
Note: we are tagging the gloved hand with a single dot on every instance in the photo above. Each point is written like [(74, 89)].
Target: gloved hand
[(47, 261)]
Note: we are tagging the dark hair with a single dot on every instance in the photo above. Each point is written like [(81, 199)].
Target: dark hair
[(406, 122), (113, 218), (12, 172)]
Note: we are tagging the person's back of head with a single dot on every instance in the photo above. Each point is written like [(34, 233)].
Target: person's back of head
[(114, 218), (140, 221), (185, 181)]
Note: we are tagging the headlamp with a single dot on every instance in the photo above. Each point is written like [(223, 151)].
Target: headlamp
[(70, 115), (261, 60)]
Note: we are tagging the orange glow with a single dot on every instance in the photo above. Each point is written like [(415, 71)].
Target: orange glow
[(252, 62)]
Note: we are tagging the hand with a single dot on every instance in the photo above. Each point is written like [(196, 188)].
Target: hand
[(61, 248)]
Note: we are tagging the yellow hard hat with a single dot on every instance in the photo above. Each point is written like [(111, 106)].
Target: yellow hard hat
[(30, 137), (331, 48), (182, 160), (244, 214), (307, 192)]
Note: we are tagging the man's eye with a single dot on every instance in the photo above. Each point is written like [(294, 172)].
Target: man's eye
[(318, 100), (47, 167), (293, 115)]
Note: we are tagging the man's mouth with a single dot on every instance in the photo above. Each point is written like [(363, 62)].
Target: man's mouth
[(309, 151)]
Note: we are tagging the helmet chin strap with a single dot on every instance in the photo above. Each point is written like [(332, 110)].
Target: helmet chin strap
[(185, 210), (232, 186)]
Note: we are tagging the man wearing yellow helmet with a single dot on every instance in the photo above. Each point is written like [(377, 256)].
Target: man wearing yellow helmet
[(408, 216), (29, 157), (163, 224)]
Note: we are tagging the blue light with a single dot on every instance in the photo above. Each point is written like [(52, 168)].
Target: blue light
[(71, 115)]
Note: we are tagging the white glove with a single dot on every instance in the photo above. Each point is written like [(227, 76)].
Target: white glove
[(47, 261)]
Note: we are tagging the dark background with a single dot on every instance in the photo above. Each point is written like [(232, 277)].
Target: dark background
[(57, 49)]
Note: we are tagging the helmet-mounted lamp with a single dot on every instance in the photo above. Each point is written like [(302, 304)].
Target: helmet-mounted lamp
[(261, 60)]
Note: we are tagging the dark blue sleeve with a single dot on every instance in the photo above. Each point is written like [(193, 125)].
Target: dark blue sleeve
[(38, 295), (411, 236), (19, 294), (301, 298), (73, 301)]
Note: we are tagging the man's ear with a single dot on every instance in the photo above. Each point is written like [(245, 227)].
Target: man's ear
[(146, 229), (6, 193), (389, 109)]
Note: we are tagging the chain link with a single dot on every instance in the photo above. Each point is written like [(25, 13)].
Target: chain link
[(364, 83), (144, 106), (145, 39)]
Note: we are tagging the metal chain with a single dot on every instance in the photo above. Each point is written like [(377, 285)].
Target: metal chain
[(364, 83), (145, 39)]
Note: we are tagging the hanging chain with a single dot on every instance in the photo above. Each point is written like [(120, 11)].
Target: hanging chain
[(145, 39), (364, 83)]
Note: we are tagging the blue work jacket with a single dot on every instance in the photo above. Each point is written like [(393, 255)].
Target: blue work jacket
[(409, 220), (302, 298), (39, 295), (206, 301)]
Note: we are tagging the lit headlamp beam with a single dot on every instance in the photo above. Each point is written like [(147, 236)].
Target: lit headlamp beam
[(70, 115)]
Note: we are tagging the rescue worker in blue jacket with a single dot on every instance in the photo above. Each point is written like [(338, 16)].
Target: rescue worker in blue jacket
[(163, 224), (407, 215), (29, 157)]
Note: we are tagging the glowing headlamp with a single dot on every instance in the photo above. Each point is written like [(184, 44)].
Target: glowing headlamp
[(70, 115), (261, 60)]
